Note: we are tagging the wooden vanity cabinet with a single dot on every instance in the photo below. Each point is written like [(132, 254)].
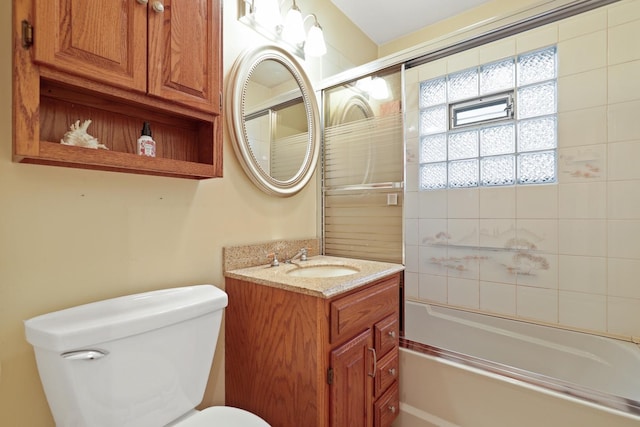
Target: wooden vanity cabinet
[(302, 360), (120, 63)]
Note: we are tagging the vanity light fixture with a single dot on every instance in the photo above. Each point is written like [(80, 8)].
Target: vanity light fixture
[(264, 16)]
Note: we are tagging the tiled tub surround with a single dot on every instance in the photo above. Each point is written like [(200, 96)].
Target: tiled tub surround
[(561, 254)]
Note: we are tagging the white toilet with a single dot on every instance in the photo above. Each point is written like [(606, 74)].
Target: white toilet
[(135, 361)]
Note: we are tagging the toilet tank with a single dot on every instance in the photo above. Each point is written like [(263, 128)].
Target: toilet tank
[(138, 360)]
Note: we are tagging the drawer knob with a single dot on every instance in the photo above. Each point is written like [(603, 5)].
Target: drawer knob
[(392, 372), (392, 409), (392, 334)]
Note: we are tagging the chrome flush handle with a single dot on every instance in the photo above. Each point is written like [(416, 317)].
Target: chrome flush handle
[(84, 354)]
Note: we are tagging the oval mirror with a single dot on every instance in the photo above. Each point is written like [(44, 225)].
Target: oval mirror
[(273, 117)]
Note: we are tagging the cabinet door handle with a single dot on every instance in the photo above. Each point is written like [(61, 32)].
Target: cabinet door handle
[(143, 1), (375, 362), (158, 6), (392, 372), (392, 334), (392, 409)]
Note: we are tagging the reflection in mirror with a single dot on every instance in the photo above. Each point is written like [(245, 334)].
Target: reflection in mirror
[(274, 117)]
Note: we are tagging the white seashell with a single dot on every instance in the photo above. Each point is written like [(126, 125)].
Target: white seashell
[(77, 135)]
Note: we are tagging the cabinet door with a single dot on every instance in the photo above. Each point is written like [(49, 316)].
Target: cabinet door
[(351, 390), (185, 53), (101, 40)]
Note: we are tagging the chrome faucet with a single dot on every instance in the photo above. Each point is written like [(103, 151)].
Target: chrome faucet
[(302, 254)]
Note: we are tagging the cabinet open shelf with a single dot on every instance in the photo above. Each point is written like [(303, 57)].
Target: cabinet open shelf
[(53, 90)]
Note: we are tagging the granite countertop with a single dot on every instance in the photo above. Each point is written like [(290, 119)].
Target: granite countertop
[(324, 287)]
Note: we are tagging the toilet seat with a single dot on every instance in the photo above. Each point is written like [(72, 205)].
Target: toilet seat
[(223, 416)]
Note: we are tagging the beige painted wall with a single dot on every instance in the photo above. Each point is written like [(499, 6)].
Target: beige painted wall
[(71, 236)]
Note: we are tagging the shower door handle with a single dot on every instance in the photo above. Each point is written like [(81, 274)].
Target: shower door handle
[(375, 362)]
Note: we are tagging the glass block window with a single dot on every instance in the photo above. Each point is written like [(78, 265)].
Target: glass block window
[(515, 148)]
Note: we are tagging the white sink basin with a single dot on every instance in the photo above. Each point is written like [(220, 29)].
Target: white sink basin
[(320, 271)]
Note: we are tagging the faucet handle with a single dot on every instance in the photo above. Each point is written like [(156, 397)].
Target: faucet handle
[(274, 259), (303, 254)]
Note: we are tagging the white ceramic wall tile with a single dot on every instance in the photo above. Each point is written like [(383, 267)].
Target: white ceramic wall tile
[(538, 234), (623, 44), (463, 292), (411, 204), (582, 200), (497, 50), (412, 92), (495, 233), (537, 269), (433, 288), (623, 82), (583, 23), (462, 263), (537, 201), (463, 60), (623, 316), (433, 232), (433, 260), (537, 303), (623, 277), (412, 259), (411, 232), (582, 53), (582, 90), (433, 204), (582, 164), (498, 298), (624, 236), (583, 311), (498, 202), (411, 183), (582, 274), (463, 232), (623, 11), (582, 127), (497, 266), (431, 70), (586, 237), (411, 127), (622, 160), (537, 38), (623, 121), (623, 199), (411, 285), (463, 203)]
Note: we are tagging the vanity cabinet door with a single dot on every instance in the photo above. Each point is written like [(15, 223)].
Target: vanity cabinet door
[(96, 39), (351, 390)]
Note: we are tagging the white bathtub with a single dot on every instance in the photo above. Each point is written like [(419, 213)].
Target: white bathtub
[(479, 370)]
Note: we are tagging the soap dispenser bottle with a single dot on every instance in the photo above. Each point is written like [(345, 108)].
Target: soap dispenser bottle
[(146, 144)]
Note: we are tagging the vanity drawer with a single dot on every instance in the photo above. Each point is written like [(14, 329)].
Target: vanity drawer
[(386, 372), (386, 409), (359, 311), (386, 335)]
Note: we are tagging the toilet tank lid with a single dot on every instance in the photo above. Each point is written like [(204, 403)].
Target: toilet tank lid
[(115, 318)]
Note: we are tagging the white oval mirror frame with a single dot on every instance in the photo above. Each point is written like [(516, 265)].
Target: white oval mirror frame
[(235, 105)]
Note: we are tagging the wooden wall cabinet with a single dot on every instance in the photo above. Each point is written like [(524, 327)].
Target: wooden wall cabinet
[(119, 64), (301, 360)]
